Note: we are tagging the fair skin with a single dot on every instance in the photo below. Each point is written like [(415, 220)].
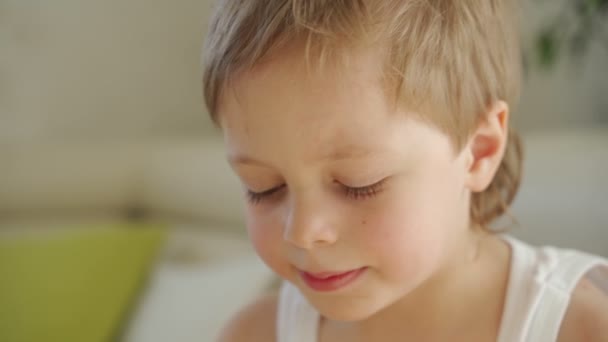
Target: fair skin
[(341, 179)]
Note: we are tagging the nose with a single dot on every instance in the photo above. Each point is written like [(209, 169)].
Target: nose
[(308, 224)]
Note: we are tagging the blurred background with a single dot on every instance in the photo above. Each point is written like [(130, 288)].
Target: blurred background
[(119, 218)]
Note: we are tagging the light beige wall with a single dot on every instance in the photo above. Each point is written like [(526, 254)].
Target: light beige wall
[(571, 94), (112, 69), (129, 69)]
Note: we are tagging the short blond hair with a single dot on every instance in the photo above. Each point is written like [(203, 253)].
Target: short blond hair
[(449, 60)]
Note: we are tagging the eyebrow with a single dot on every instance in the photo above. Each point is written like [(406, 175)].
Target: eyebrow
[(245, 160), (350, 152)]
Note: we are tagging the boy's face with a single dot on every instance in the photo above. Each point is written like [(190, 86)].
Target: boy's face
[(343, 182)]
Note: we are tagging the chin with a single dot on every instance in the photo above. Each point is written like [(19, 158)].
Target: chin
[(346, 309)]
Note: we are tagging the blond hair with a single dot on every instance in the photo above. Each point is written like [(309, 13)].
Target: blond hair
[(448, 60)]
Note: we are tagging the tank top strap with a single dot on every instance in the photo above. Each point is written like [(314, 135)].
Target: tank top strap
[(541, 282), (522, 294), (557, 290)]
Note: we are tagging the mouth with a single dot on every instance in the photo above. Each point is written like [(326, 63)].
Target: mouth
[(331, 281)]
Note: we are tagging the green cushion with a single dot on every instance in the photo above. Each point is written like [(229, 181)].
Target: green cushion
[(75, 285)]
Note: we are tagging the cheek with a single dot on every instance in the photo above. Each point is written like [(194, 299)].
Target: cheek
[(405, 235), (266, 235)]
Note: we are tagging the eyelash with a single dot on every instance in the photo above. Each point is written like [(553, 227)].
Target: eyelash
[(359, 193), (257, 197), (365, 191)]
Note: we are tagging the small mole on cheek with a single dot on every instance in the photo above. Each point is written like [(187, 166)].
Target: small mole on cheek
[(363, 222)]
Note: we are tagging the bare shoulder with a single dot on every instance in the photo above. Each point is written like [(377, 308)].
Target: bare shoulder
[(587, 315), (255, 322)]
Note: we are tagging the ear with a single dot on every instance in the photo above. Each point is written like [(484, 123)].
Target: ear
[(486, 147)]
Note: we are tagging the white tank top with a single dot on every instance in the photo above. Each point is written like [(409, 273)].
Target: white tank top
[(541, 281)]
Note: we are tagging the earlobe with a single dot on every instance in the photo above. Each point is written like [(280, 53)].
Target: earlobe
[(487, 146)]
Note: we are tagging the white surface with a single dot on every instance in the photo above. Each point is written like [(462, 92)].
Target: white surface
[(191, 297), (191, 304)]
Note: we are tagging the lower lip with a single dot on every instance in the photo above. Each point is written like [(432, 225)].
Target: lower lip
[(332, 283)]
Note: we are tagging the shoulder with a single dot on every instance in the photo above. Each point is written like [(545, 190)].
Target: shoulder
[(255, 322), (587, 315)]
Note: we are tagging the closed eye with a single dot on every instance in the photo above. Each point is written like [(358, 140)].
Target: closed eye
[(357, 193), (256, 197), (364, 192)]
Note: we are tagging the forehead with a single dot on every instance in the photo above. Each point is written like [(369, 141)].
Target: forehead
[(285, 106)]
